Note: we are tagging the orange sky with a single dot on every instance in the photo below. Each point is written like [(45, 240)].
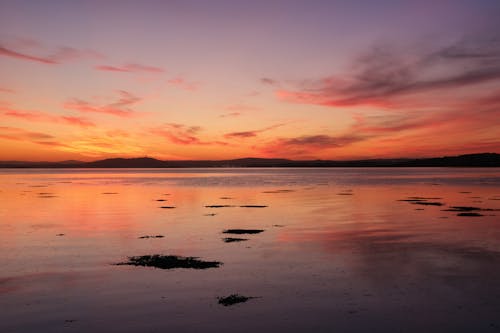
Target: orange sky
[(231, 79)]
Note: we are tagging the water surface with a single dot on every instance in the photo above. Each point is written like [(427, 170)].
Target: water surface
[(339, 252)]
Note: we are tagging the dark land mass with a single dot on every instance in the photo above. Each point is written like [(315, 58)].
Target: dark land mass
[(470, 160)]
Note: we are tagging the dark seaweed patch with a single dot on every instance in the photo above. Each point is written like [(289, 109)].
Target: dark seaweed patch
[(469, 209), (167, 207), (233, 299), (427, 203), (170, 262), (109, 193), (232, 239), (461, 209), (225, 198), (161, 200), (153, 236), (412, 200), (278, 191), (242, 231), (218, 206), (469, 214)]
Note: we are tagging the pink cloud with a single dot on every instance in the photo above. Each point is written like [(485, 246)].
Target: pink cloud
[(268, 81), (383, 76), (38, 116), (183, 84), (241, 135), (250, 134), (18, 55), (179, 134), (61, 55), (230, 114), (307, 146), (71, 120), (52, 144), (120, 108), (7, 90), (130, 68), (19, 134)]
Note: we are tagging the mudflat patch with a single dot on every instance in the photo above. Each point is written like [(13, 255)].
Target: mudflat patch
[(170, 262), (233, 299), (233, 239), (242, 231), (218, 206)]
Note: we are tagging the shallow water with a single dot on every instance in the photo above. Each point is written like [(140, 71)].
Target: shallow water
[(339, 252)]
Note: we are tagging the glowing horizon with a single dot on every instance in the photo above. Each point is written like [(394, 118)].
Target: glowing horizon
[(217, 80)]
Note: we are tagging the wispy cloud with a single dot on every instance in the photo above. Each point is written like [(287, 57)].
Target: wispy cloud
[(7, 90), (99, 146), (60, 55), (237, 110), (22, 56), (384, 74), (53, 144), (242, 135), (38, 116), (119, 108), (307, 146), (230, 114), (268, 81), (182, 83), (130, 68), (179, 134), (250, 134), (19, 134)]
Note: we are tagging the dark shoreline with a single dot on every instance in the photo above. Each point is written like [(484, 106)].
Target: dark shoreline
[(470, 160)]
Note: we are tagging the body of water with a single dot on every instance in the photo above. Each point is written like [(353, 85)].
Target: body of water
[(342, 250)]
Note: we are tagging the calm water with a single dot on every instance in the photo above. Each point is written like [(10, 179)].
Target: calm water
[(339, 252)]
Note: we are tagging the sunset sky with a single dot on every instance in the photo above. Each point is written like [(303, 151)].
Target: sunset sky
[(88, 80)]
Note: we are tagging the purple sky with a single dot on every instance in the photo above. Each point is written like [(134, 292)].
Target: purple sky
[(227, 79)]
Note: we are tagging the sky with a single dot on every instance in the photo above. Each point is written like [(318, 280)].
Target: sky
[(184, 80)]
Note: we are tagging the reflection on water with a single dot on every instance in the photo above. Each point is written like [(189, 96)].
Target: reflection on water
[(339, 251)]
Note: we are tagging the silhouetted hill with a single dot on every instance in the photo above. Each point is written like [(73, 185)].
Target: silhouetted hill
[(470, 160), (143, 162)]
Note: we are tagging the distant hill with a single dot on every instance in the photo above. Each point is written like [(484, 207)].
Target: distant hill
[(470, 160)]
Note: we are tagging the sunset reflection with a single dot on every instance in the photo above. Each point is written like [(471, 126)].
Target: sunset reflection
[(335, 237)]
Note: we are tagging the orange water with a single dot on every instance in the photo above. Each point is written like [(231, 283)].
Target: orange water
[(326, 261)]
